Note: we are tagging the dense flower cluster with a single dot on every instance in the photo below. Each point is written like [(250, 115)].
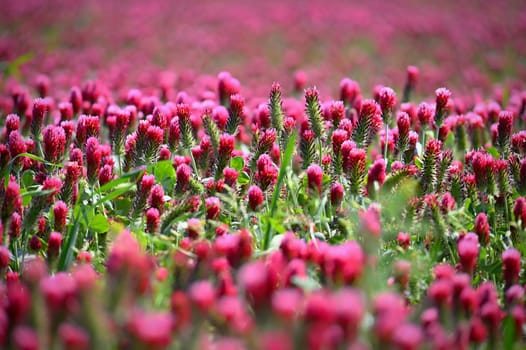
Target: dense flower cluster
[(287, 224), (188, 211)]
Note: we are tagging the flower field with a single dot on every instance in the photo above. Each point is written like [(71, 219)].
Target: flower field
[(262, 175)]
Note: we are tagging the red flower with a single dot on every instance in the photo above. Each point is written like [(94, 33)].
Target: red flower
[(183, 174), (370, 222), (258, 282), (12, 123), (93, 158), (25, 338), (286, 303), (337, 193), (349, 91), (60, 212), (255, 197), (511, 265), (213, 208), (314, 177), (226, 145), (300, 80), (202, 294), (156, 199), (54, 244), (227, 86), (387, 99), (4, 257), (12, 200), (482, 228), (519, 210), (339, 136), (151, 329), (403, 239), (74, 337), (54, 139), (194, 228), (468, 251), (376, 174), (442, 97), (16, 144), (408, 337), (87, 126), (152, 220), (412, 75)]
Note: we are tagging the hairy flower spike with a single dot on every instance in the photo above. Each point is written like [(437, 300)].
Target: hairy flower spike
[(227, 86), (337, 193), (213, 208), (54, 143), (93, 159), (314, 177), (255, 197), (410, 83), (376, 174), (60, 212), (225, 149), (12, 123), (155, 136), (40, 108), (275, 108), (267, 173), (307, 148), (442, 99), (505, 128), (349, 91), (183, 175), (511, 266), (144, 187), (468, 251), (404, 123), (430, 160), (87, 126), (313, 111), (356, 169), (187, 138), (54, 244), (387, 101), (152, 220), (425, 113), (12, 201), (482, 228), (368, 124), (236, 114)]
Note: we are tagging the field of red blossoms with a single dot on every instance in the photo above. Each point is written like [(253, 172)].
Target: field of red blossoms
[(262, 175)]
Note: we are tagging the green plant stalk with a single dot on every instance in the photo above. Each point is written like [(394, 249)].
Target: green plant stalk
[(386, 142), (275, 195), (320, 150)]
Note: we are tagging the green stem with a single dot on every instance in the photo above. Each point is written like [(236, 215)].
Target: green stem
[(386, 142)]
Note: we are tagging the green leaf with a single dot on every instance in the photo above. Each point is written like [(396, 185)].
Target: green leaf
[(508, 333), (243, 178), (37, 158), (121, 179), (99, 223), (164, 173), (494, 152), (237, 163), (114, 194), (27, 178), (418, 162)]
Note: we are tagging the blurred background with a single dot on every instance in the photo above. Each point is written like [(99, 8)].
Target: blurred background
[(463, 45)]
